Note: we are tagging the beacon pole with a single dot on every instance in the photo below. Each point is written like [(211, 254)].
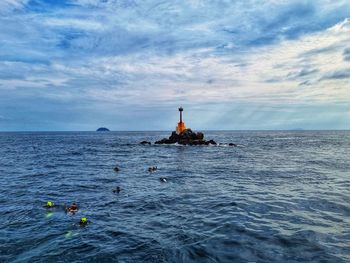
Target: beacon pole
[(181, 110)]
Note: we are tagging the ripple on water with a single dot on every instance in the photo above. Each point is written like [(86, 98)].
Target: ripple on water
[(281, 197)]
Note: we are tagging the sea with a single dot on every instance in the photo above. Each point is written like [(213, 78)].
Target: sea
[(279, 196)]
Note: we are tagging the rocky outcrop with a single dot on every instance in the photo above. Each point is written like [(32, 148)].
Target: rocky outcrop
[(187, 137), (145, 143)]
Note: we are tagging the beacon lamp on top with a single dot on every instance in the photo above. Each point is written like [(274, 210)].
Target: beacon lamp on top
[(181, 125)]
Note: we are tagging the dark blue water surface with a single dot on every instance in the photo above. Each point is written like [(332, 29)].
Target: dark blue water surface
[(278, 197)]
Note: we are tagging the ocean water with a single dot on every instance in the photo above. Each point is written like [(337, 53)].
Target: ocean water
[(278, 197)]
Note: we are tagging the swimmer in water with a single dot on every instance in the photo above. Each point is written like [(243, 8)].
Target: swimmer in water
[(83, 221), (152, 169), (72, 209), (49, 205), (117, 190), (163, 179), (116, 169)]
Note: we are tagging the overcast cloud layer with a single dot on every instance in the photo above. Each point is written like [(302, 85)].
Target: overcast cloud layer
[(128, 65)]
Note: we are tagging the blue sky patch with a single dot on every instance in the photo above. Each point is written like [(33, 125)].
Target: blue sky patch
[(81, 64)]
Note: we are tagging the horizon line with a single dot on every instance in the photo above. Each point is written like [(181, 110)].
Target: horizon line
[(204, 130)]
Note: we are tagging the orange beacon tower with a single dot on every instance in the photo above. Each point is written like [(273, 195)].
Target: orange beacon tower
[(181, 125)]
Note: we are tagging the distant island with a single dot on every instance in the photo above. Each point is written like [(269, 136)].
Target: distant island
[(102, 129)]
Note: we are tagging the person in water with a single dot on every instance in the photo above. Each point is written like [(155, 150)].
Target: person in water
[(73, 208), (163, 179), (49, 205), (83, 221), (152, 169), (117, 190)]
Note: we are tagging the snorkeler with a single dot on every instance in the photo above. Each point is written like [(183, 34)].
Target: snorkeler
[(152, 169), (116, 169), (117, 190), (49, 205), (83, 221), (72, 209), (163, 179)]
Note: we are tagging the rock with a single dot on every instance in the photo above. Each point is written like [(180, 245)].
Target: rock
[(165, 141), (187, 137), (102, 129), (145, 143), (232, 144), (212, 142), (200, 136), (174, 137), (197, 142)]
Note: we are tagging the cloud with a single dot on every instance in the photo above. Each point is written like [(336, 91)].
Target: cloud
[(82, 24), (338, 74), (346, 54), (307, 61), (302, 73), (321, 50), (96, 53), (9, 5)]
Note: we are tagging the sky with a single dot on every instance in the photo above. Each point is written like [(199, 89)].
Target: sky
[(76, 65)]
